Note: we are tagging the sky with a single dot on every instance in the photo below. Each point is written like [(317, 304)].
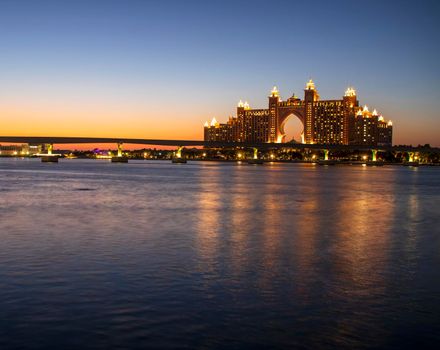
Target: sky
[(160, 69)]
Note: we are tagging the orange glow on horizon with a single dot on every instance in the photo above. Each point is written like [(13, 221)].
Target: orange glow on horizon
[(97, 122)]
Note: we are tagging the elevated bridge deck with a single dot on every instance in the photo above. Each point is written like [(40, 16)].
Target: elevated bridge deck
[(212, 144)]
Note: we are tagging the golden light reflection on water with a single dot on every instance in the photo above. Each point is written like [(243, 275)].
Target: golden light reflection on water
[(273, 218), (208, 215), (412, 211), (333, 235), (306, 240), (361, 246), (364, 219), (360, 228), (240, 216)]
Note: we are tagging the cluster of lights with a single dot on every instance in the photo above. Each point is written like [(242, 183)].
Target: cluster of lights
[(16, 153), (244, 105), (365, 112), (274, 92), (214, 122), (310, 85), (350, 92)]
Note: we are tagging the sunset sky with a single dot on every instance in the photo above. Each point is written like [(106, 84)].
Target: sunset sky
[(159, 69)]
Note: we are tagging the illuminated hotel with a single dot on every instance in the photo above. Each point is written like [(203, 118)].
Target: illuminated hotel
[(325, 121)]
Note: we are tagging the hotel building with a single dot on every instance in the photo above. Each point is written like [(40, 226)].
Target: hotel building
[(325, 121)]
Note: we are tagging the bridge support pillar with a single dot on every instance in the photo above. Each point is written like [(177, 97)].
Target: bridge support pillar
[(178, 153), (254, 159), (120, 149), (255, 153), (374, 155), (178, 159), (120, 157), (49, 157), (326, 160)]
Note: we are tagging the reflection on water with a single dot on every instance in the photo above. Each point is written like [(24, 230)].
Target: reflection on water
[(150, 254)]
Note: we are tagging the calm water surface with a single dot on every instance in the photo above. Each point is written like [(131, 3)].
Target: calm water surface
[(210, 256)]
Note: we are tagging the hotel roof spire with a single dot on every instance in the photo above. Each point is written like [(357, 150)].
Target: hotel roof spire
[(310, 85), (274, 92), (350, 92)]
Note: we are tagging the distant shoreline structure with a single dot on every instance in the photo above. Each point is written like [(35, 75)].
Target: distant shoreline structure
[(285, 153)]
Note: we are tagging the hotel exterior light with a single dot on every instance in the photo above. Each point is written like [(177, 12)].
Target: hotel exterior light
[(310, 85), (350, 92)]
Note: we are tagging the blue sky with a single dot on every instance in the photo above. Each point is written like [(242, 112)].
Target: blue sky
[(161, 68)]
